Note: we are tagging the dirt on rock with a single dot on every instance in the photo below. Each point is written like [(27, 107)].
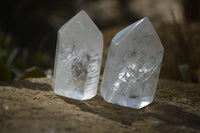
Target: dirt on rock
[(31, 106)]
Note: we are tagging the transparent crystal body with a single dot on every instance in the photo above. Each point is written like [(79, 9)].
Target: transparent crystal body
[(78, 58), (133, 66)]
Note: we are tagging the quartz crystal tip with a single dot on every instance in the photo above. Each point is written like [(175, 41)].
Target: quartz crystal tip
[(78, 58), (133, 66)]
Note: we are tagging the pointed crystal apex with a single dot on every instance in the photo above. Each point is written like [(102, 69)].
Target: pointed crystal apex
[(133, 66), (78, 58)]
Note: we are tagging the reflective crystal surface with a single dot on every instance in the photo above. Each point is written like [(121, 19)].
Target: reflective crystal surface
[(133, 66), (78, 58)]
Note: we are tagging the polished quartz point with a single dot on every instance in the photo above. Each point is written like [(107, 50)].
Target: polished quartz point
[(133, 66), (78, 58)]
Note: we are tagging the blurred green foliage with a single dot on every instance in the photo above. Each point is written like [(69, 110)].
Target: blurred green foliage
[(5, 47), (12, 63), (28, 31), (5, 73), (35, 72), (6, 56)]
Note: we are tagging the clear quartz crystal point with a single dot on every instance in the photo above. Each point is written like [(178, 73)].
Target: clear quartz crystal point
[(133, 66), (78, 58)]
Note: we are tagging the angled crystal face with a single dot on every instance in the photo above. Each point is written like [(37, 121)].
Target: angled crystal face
[(78, 58), (133, 66)]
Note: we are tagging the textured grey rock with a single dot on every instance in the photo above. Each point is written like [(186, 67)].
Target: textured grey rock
[(133, 66), (30, 106), (78, 58)]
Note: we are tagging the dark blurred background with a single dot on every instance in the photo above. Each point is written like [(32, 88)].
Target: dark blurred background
[(28, 32)]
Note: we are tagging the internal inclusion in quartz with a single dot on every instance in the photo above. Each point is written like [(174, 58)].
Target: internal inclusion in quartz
[(133, 66), (78, 58)]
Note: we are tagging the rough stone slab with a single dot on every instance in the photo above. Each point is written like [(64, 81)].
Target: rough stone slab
[(31, 106)]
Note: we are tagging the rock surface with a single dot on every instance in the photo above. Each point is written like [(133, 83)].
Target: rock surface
[(31, 106)]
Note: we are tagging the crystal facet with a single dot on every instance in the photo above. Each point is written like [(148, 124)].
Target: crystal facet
[(78, 58), (133, 66)]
